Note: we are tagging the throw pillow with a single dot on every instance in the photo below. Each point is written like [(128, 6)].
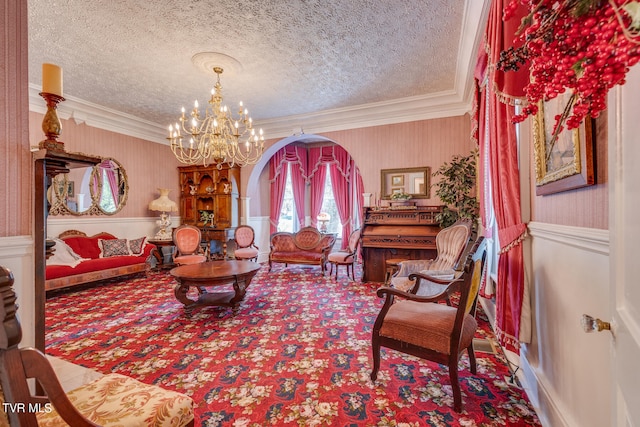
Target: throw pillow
[(63, 255), (113, 247), (136, 246)]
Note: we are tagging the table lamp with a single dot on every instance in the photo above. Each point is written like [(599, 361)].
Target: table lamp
[(323, 217), (163, 204)]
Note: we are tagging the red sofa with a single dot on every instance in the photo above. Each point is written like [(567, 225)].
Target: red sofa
[(307, 246), (102, 256)]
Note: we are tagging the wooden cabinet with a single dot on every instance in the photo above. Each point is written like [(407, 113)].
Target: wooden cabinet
[(209, 199)]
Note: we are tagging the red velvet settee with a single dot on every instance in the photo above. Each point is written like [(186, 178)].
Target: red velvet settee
[(307, 246), (79, 258)]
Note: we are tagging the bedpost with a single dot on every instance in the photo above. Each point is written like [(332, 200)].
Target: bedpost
[(11, 332)]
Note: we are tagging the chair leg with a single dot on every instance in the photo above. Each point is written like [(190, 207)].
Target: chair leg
[(472, 359), (455, 384), (375, 349)]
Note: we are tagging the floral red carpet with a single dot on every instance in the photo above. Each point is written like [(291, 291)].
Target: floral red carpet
[(297, 353)]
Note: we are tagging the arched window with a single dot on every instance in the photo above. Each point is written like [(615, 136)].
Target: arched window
[(313, 191)]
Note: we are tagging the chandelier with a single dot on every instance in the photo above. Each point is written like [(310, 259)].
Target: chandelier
[(216, 137)]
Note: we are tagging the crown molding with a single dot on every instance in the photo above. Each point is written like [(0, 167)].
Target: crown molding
[(410, 109), (474, 19), (376, 114), (100, 117), (455, 102)]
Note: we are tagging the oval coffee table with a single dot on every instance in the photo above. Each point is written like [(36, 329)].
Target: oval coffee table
[(214, 273)]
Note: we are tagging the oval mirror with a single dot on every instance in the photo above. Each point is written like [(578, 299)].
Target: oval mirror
[(98, 190), (71, 194), (109, 181)]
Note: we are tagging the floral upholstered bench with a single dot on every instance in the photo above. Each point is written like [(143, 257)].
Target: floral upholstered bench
[(112, 400), (307, 246)]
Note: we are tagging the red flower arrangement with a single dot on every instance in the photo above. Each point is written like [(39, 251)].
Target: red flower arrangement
[(584, 46)]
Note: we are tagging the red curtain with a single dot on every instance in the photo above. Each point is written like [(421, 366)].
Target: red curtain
[(297, 158), (340, 172), (317, 176), (278, 180), (358, 196), (498, 143), (310, 166)]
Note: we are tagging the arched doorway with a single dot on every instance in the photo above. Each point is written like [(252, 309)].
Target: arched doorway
[(257, 203)]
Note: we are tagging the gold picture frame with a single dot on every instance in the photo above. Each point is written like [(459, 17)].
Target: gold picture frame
[(397, 180), (566, 162), (413, 181)]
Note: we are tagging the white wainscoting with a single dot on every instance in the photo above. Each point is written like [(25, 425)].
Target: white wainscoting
[(567, 370), (16, 254), (123, 228), (261, 227)]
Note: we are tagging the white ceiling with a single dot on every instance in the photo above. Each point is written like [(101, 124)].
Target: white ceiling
[(312, 64)]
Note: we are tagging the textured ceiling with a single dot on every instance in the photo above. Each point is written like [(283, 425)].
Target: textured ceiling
[(295, 56)]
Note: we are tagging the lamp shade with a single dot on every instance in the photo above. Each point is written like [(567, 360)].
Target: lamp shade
[(163, 203)]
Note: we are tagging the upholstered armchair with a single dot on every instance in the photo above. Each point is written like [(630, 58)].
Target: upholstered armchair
[(346, 257), (187, 245), (418, 324), (450, 246), (245, 247)]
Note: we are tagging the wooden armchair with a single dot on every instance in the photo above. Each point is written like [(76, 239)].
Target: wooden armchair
[(346, 256), (187, 241), (246, 248), (416, 324), (112, 400), (450, 244)]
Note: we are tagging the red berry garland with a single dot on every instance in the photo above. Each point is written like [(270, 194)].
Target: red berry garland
[(584, 46)]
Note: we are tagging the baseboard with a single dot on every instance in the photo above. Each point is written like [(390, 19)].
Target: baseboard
[(548, 410)]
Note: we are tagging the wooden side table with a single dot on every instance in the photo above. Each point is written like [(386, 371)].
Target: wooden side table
[(391, 267), (160, 255)]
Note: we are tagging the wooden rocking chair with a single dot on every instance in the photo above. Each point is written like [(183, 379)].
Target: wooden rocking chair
[(98, 403)]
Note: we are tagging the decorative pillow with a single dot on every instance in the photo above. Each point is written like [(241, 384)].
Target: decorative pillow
[(113, 247), (64, 255), (136, 246)]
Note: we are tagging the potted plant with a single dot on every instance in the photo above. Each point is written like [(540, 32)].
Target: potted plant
[(400, 198), (455, 189)]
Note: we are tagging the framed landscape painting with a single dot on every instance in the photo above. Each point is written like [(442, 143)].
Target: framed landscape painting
[(566, 162)]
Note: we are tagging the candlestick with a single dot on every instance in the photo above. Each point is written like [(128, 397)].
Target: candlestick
[(51, 125)]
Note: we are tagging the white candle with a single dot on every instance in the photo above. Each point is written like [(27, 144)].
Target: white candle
[(51, 79)]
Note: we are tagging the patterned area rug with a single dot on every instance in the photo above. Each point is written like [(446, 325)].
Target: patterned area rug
[(298, 353)]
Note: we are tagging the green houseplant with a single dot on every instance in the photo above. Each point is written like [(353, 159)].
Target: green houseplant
[(455, 189)]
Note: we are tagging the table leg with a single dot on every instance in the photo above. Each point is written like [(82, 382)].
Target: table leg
[(180, 291)]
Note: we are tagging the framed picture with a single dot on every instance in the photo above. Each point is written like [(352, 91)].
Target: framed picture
[(567, 161), (397, 180), (397, 190), (70, 189)]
